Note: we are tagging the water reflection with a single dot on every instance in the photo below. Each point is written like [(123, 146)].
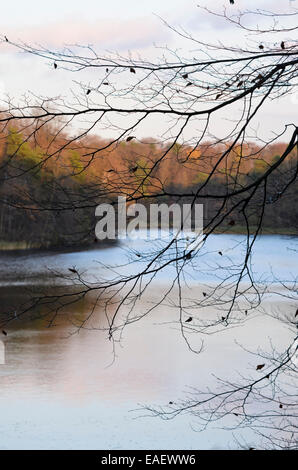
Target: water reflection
[(63, 388)]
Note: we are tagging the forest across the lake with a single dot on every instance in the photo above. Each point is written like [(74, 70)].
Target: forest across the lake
[(50, 184)]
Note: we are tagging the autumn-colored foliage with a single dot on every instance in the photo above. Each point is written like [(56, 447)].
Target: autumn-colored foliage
[(59, 181)]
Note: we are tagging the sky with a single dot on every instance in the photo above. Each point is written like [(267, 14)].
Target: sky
[(129, 24), (111, 25)]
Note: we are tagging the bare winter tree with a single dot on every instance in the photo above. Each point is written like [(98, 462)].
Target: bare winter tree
[(232, 171)]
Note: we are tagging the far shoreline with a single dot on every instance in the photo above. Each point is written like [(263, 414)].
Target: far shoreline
[(27, 247)]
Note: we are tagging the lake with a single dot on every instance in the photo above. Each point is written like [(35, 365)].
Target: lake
[(67, 389)]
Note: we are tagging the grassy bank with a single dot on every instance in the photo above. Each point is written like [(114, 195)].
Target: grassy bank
[(15, 246), (8, 246)]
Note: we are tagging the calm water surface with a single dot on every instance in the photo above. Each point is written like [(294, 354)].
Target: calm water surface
[(62, 390)]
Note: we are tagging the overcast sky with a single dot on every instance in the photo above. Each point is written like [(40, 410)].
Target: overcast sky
[(111, 25)]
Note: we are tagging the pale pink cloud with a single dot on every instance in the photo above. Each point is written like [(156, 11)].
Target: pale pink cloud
[(115, 34)]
